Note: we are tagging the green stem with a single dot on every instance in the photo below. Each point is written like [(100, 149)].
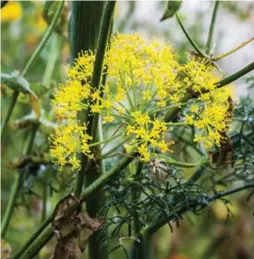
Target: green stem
[(44, 200), (174, 110), (192, 42), (84, 30), (188, 142), (211, 29), (236, 75), (233, 50), (104, 156), (144, 248), (32, 238), (105, 141), (9, 112), (105, 177), (28, 149), (165, 108), (197, 174), (37, 245), (171, 161), (44, 39), (17, 186), (105, 30), (102, 43), (36, 53), (95, 169), (11, 203), (54, 51)]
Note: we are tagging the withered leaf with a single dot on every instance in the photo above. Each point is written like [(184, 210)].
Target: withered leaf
[(73, 228), (65, 211), (72, 243)]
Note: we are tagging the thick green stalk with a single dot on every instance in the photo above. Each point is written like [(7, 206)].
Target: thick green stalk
[(35, 247), (30, 62), (211, 29), (235, 76), (83, 33), (18, 182), (91, 170), (84, 26), (105, 177), (144, 248), (138, 248), (105, 31)]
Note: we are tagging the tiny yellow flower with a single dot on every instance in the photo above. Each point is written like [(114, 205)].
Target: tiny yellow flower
[(108, 118)]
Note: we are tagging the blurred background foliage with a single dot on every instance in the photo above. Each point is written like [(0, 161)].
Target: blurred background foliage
[(213, 234)]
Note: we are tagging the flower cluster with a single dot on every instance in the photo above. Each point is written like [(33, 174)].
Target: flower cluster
[(67, 141), (211, 117), (144, 81)]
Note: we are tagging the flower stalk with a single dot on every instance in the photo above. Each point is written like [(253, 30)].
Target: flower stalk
[(211, 29)]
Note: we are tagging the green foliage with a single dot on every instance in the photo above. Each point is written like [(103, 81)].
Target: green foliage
[(179, 189)]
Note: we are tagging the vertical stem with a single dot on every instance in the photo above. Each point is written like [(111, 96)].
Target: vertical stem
[(44, 200), (55, 48), (11, 203), (9, 112), (211, 29), (95, 202), (83, 33), (138, 248), (144, 248), (84, 26), (17, 186)]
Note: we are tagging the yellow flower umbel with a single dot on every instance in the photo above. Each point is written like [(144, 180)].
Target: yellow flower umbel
[(144, 81)]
